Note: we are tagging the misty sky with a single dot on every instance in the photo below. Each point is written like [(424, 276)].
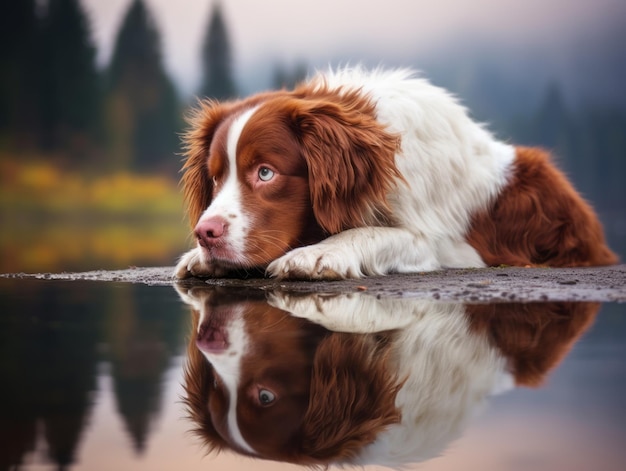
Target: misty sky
[(389, 30)]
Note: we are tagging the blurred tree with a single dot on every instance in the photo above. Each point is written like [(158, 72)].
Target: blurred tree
[(142, 114), (69, 82), (589, 145), (217, 78), (18, 85), (552, 122), (144, 335), (554, 127), (284, 78), (604, 144)]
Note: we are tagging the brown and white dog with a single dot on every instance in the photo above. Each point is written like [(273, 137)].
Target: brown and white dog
[(390, 382), (361, 173)]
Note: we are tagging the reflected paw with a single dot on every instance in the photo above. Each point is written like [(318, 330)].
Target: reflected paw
[(310, 306)]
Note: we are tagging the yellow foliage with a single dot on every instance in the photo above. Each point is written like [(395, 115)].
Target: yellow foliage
[(42, 187), (49, 247), (53, 220)]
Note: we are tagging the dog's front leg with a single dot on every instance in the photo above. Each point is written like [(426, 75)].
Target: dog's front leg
[(355, 253), (351, 312)]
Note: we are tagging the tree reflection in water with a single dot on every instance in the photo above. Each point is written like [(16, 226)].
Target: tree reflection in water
[(351, 378)]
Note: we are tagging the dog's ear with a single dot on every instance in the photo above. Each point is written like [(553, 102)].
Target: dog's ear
[(350, 158), (198, 385), (352, 399), (197, 186)]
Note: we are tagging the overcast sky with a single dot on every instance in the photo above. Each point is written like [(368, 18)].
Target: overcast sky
[(286, 30)]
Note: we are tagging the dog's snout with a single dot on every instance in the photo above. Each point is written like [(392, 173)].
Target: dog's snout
[(212, 340), (209, 231)]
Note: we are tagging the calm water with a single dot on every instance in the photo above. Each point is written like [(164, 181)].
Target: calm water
[(92, 376)]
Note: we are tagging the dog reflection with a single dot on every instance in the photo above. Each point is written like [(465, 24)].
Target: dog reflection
[(351, 379), (267, 384)]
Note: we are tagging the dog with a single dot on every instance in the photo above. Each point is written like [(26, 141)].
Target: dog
[(351, 379), (358, 173)]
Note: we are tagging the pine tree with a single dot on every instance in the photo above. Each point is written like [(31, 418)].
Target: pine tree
[(288, 79), (18, 73), (70, 89), (217, 78), (552, 122), (142, 106)]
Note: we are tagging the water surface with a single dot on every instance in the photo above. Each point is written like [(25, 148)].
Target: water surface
[(92, 378)]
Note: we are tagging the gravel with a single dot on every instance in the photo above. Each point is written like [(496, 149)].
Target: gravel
[(510, 284)]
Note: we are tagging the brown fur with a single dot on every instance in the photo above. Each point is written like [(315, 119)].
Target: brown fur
[(197, 186), (337, 391), (203, 122), (285, 349), (353, 392), (535, 337), (349, 154), (334, 166), (539, 219), (350, 389)]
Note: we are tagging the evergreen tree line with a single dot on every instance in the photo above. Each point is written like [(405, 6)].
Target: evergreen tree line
[(589, 145), (54, 101)]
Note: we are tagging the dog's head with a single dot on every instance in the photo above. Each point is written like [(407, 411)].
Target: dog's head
[(284, 169), (266, 384)]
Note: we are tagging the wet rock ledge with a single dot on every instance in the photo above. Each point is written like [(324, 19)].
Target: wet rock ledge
[(509, 284)]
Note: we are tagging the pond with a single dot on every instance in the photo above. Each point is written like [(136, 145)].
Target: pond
[(93, 377)]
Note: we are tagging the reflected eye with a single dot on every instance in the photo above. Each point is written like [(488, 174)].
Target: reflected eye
[(265, 174), (266, 397)]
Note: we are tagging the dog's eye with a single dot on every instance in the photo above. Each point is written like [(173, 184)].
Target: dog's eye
[(266, 397), (265, 174)]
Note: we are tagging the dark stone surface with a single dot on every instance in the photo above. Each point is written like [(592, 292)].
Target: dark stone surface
[(604, 284)]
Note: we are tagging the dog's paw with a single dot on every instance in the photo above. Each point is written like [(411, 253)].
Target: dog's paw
[(314, 307), (298, 305), (195, 263), (347, 312), (315, 262)]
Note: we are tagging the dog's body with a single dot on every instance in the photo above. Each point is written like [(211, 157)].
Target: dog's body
[(361, 173)]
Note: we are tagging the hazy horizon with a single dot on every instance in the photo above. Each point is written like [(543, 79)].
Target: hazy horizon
[(264, 34)]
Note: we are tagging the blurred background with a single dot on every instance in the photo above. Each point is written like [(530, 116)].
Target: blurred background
[(93, 94)]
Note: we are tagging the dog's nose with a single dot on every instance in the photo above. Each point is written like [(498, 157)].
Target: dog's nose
[(209, 231), (212, 340)]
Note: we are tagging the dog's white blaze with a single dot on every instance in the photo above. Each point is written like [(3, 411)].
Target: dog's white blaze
[(227, 366), (234, 133), (227, 203)]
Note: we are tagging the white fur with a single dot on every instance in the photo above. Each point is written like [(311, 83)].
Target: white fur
[(449, 370), (227, 204), (450, 373), (227, 364), (452, 166)]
